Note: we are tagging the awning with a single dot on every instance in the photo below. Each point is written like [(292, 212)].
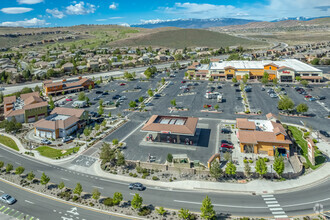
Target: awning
[(311, 77)]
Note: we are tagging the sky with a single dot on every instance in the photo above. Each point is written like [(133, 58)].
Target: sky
[(50, 13)]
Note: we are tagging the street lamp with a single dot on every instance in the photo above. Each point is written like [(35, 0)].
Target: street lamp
[(271, 171)]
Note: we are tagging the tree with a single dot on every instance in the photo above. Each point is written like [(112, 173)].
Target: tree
[(78, 190), (81, 96), (245, 78), (298, 78), (97, 127), (141, 99), (1, 164), (211, 79), (285, 103), (90, 87), (101, 102), (26, 90), (302, 108), (87, 131), (30, 176), (120, 159), (207, 209), (44, 179), (315, 61), (132, 104), (150, 93), (169, 158), (275, 81), (96, 194), (163, 81), (278, 164), (234, 80), (115, 141), (215, 170), (104, 123), (19, 170), (184, 214), (100, 111), (227, 156), (304, 83), (109, 114), (136, 202), (1, 97), (173, 102), (261, 167), (247, 170), (37, 88), (117, 198), (51, 103), (61, 185), (9, 168), (161, 211), (230, 169), (216, 107)]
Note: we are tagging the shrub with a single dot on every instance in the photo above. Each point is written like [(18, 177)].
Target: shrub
[(135, 175), (130, 174), (266, 159), (139, 169), (108, 201), (250, 161), (75, 198), (306, 134), (91, 204), (169, 158), (245, 161), (144, 211), (306, 165), (315, 141), (145, 175), (155, 178)]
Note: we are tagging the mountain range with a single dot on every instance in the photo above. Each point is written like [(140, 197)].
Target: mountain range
[(207, 23)]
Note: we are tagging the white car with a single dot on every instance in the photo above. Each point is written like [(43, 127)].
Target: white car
[(66, 139)]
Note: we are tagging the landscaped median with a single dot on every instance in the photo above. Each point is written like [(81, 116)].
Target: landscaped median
[(299, 139), (7, 141), (56, 153)]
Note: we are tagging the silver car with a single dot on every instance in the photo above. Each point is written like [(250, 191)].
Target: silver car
[(5, 198)]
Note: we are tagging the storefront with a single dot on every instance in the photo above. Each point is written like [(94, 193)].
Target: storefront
[(285, 74)]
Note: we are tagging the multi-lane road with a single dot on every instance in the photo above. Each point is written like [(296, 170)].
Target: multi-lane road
[(294, 203)]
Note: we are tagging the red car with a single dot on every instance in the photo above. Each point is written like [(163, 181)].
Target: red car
[(68, 100), (122, 84), (183, 81), (226, 145), (308, 96)]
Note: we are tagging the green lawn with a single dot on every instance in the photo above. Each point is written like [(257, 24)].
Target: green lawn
[(297, 135), (7, 141), (55, 153)]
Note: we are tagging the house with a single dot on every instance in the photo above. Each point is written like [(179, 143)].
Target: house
[(93, 65), (67, 67), (56, 88), (27, 108), (61, 122), (263, 136)]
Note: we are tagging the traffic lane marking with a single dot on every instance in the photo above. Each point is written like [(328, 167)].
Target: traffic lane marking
[(29, 202), (222, 205)]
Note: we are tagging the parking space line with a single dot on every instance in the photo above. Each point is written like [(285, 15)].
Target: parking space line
[(13, 210), (2, 207), (5, 210)]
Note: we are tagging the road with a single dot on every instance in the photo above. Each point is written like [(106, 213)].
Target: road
[(137, 70), (232, 204)]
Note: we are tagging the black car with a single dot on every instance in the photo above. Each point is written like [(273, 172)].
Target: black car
[(157, 95), (137, 87), (320, 97), (324, 133), (219, 87), (136, 186), (196, 84), (226, 142), (225, 131), (98, 92), (116, 97), (237, 90), (105, 93)]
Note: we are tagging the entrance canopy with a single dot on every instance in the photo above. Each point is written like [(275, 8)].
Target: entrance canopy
[(171, 125)]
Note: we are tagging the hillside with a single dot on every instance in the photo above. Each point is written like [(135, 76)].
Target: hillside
[(186, 38)]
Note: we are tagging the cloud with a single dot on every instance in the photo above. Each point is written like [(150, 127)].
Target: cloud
[(29, 2), (103, 19), (323, 8), (112, 18), (26, 23), (80, 9), (55, 13), (15, 10), (113, 6)]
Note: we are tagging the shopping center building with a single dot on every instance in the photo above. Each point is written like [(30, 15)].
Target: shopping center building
[(72, 86), (284, 70)]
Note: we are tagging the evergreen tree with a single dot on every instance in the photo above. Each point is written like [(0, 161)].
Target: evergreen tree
[(278, 164), (136, 202), (261, 167), (78, 190), (207, 209)]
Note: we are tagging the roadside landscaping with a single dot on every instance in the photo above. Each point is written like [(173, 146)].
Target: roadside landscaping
[(56, 153), (7, 141), (298, 136)]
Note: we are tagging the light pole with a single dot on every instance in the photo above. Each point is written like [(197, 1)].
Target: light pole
[(271, 171)]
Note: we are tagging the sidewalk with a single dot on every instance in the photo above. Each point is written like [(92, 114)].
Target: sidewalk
[(17, 141), (257, 186)]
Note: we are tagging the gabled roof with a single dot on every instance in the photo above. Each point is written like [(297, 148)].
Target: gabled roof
[(9, 99), (32, 99), (229, 67), (244, 123), (284, 67), (254, 137), (68, 111), (271, 64), (27, 95)]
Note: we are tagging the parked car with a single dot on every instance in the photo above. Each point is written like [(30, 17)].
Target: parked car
[(273, 95), (5, 198), (183, 81), (105, 93), (225, 142), (263, 89), (67, 138), (136, 186), (237, 90), (157, 95), (225, 131), (96, 98), (116, 96), (196, 84), (320, 97), (312, 99), (304, 93), (137, 87), (45, 141), (227, 145), (308, 96), (239, 98), (1, 88), (122, 84), (324, 133), (148, 104), (219, 87), (68, 100)]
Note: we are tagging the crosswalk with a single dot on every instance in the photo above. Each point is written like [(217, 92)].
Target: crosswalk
[(16, 214), (274, 206)]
